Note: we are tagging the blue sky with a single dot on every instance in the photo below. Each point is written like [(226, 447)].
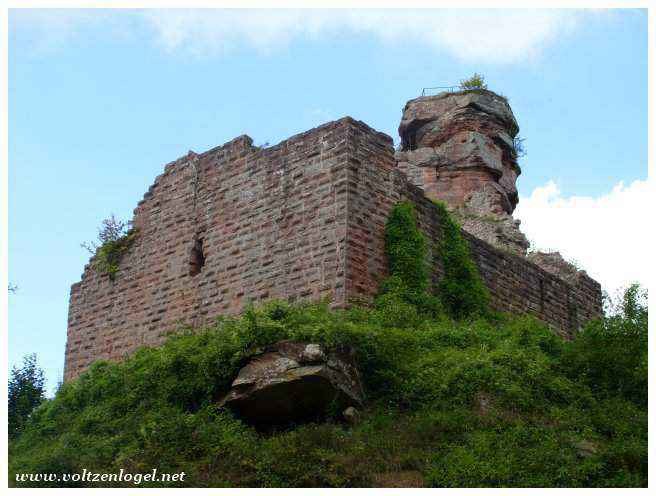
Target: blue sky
[(100, 101)]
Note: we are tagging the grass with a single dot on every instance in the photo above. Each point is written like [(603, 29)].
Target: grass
[(455, 396), (425, 381)]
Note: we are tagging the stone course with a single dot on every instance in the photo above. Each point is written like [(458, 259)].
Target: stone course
[(300, 220)]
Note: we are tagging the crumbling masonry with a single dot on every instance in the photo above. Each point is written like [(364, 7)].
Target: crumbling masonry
[(304, 220)]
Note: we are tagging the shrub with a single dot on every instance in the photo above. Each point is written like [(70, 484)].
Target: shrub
[(115, 238), (518, 147), (611, 354), (476, 82), (425, 385), (26, 391)]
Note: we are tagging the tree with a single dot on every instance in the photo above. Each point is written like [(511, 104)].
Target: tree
[(26, 392), (612, 353), (111, 230), (476, 82), (115, 237)]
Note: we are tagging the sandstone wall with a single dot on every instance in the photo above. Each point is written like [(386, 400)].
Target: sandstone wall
[(303, 219), (271, 223), (516, 285)]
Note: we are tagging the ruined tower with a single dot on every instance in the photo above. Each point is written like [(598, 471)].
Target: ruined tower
[(305, 220)]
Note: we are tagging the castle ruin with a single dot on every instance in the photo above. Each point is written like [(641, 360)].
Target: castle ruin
[(304, 220)]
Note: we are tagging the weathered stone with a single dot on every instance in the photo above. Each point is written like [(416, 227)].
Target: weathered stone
[(351, 415), (466, 130), (421, 110), (292, 381), (304, 220), (472, 166), (554, 263), (481, 216), (420, 157), (586, 449)]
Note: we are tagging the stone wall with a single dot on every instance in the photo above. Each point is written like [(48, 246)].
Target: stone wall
[(270, 223), (516, 284), (303, 219)]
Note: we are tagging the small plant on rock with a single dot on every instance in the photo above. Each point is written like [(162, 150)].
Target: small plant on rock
[(476, 82), (519, 150), (115, 237)]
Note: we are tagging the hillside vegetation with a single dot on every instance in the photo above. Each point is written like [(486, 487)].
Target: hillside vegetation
[(453, 400)]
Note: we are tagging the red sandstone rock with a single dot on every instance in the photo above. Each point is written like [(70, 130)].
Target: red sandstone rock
[(294, 381), (554, 263), (458, 147), (471, 135)]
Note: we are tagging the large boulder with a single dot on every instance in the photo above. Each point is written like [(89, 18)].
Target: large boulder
[(292, 381)]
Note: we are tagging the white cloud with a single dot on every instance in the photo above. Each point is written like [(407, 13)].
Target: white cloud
[(477, 36), (610, 236), (470, 35)]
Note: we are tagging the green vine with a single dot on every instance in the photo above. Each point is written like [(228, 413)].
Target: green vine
[(405, 247), (461, 290), (461, 293)]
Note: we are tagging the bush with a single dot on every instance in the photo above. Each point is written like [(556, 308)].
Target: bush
[(26, 391), (518, 147), (115, 238), (611, 354), (464, 403), (476, 82)]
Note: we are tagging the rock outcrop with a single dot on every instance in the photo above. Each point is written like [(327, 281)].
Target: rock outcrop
[(292, 381), (460, 149), (554, 263)]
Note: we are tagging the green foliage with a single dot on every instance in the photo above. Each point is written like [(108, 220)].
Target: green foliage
[(405, 247), (405, 292), (461, 290), (611, 354), (463, 403), (115, 238), (26, 392), (476, 82), (110, 253), (518, 147)]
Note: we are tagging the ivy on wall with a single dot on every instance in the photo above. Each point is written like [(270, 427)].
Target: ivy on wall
[(460, 292)]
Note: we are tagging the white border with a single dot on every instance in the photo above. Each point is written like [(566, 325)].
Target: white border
[(649, 223)]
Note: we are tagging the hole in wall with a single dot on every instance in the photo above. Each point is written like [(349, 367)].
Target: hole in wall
[(197, 258)]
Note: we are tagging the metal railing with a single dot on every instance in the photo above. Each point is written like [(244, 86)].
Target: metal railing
[(448, 88)]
